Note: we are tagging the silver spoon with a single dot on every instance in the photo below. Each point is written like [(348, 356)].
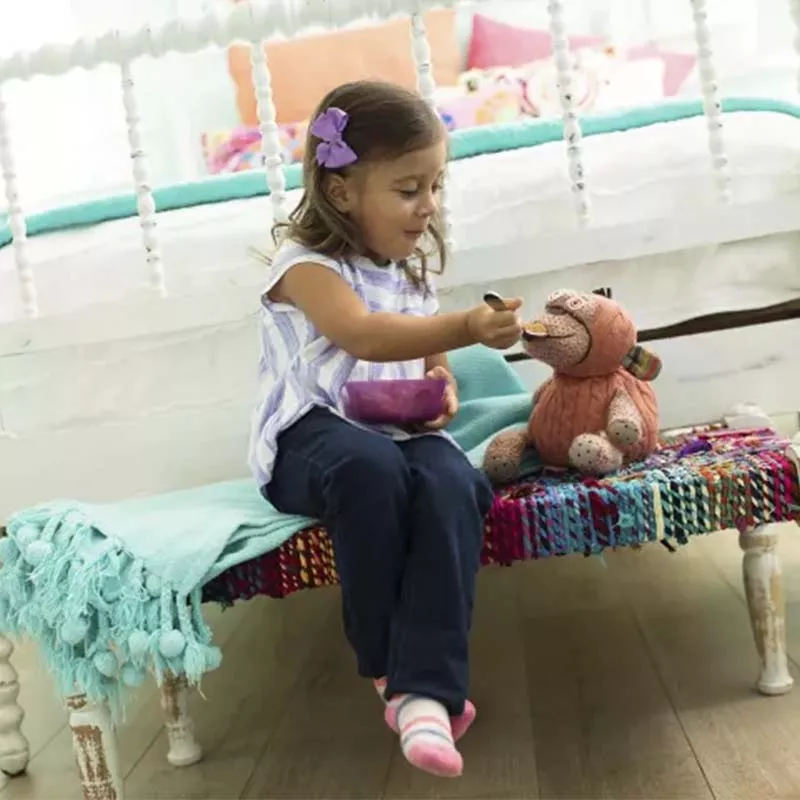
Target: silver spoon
[(494, 301)]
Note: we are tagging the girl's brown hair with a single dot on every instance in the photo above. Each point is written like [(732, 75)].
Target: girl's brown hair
[(385, 121)]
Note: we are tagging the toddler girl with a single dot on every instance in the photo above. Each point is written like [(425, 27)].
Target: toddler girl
[(349, 297)]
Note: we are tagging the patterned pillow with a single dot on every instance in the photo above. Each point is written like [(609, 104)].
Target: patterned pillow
[(475, 102), (590, 76), (240, 149), (602, 80)]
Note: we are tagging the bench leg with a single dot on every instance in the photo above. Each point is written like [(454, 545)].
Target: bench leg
[(761, 570), (95, 743), (183, 748), (14, 749)]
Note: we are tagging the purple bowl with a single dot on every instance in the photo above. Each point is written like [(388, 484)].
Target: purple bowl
[(394, 402)]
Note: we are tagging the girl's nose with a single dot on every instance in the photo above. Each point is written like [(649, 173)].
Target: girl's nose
[(427, 207)]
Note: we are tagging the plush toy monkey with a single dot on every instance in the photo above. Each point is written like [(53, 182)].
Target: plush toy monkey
[(598, 410)]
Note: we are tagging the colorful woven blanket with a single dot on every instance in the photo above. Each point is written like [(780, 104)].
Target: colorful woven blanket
[(698, 482), (110, 591)]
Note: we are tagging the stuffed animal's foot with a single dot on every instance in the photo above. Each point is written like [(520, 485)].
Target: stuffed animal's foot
[(593, 454), (625, 432), (625, 428), (503, 456)]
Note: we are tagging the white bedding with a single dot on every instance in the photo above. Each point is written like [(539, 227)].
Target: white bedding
[(635, 175)]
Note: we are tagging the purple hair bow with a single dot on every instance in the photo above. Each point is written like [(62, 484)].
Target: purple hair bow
[(332, 151)]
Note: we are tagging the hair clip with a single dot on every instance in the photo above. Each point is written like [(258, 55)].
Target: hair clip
[(332, 152)]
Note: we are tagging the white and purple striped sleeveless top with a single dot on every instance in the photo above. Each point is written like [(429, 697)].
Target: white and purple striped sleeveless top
[(299, 368)]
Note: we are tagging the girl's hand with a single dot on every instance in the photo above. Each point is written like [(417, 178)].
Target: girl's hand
[(450, 403), (497, 329)]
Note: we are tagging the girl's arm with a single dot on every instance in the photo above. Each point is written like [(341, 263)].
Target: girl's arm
[(340, 315)]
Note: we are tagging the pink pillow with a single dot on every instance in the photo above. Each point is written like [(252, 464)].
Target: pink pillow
[(498, 44), (677, 66)]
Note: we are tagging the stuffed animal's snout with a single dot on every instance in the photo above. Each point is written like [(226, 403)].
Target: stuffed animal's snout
[(556, 339), (533, 331)]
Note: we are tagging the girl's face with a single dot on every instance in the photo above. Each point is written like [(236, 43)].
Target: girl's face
[(393, 202)]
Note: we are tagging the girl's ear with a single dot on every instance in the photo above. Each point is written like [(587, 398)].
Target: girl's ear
[(339, 192)]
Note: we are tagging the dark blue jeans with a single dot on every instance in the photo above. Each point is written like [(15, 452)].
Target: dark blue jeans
[(406, 520)]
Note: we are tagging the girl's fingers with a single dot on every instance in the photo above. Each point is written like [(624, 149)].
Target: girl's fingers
[(438, 372)]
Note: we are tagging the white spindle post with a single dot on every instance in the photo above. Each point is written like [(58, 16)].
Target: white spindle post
[(712, 104), (426, 86), (270, 138), (145, 202), (16, 219), (183, 747), (94, 743), (572, 129), (421, 50), (14, 747), (794, 7)]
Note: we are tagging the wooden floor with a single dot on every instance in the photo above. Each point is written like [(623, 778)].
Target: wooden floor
[(624, 677)]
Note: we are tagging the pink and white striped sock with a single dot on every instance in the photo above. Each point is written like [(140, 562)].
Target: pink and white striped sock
[(425, 734), (459, 724)]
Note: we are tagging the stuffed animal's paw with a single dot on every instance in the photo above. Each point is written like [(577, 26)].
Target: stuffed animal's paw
[(625, 432), (593, 454), (503, 456)]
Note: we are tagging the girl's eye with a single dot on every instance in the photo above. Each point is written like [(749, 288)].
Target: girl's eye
[(437, 187), (409, 193)]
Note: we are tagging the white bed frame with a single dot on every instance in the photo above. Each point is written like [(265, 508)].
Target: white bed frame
[(170, 435)]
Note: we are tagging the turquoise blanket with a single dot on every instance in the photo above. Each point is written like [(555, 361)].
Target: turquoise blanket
[(111, 590)]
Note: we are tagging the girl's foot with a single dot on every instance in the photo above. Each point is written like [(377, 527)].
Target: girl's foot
[(460, 724), (425, 735)]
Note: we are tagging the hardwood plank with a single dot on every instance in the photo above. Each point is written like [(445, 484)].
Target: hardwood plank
[(312, 765), (564, 586), (697, 629), (499, 762), (498, 681), (499, 754), (332, 741), (246, 700), (603, 726)]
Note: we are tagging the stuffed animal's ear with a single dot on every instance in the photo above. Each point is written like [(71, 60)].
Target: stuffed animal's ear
[(642, 364)]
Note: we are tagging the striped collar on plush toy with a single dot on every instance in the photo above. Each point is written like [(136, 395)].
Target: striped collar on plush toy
[(642, 364)]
